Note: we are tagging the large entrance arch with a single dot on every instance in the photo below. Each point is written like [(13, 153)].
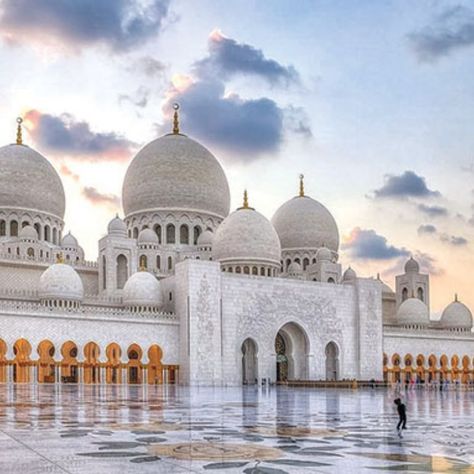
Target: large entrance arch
[(292, 349), (332, 361), (249, 362)]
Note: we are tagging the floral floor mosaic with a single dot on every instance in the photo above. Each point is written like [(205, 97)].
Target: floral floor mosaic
[(120, 429)]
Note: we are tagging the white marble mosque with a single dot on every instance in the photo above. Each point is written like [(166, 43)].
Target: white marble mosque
[(186, 291)]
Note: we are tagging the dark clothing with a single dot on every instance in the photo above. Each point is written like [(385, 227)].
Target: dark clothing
[(402, 416)]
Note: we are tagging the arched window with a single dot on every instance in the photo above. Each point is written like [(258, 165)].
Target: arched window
[(122, 271), (262, 271), (331, 280), (170, 234), (288, 263), (231, 270), (135, 232), (143, 262), (254, 271), (246, 270), (104, 272), (297, 260), (269, 272), (18, 250), (30, 252), (158, 262), (404, 294), (305, 263), (420, 294), (47, 233), (238, 270), (3, 228), (13, 229), (37, 227), (24, 224), (197, 233), (170, 263), (184, 234), (55, 236), (157, 229)]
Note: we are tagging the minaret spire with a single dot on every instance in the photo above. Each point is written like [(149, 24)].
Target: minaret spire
[(176, 119), (19, 131), (301, 185)]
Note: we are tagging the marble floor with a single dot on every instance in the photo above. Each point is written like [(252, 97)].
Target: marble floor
[(170, 429)]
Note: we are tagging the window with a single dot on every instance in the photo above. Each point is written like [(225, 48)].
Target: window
[(238, 270), (47, 233), (288, 263), (13, 229), (197, 233), (170, 296), (331, 280), (254, 271), (55, 236), (246, 270), (157, 229), (30, 252), (135, 232), (262, 271), (184, 234), (269, 272), (420, 294), (24, 224), (305, 263), (404, 294), (122, 271), (158, 262), (104, 272), (170, 234), (3, 228), (38, 229), (170, 263)]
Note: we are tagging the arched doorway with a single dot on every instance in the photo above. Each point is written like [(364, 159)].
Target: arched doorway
[(22, 362), (249, 362), (46, 364), (91, 363), (332, 361), (155, 367), (69, 364), (134, 366), (291, 348), (113, 371)]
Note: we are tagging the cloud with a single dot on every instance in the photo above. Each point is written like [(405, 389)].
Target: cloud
[(247, 127), (66, 171), (101, 199), (427, 229), (367, 244), (428, 264), (453, 240), (139, 99), (148, 66), (65, 135), (406, 185), (450, 31), (433, 211), (228, 58), (117, 24)]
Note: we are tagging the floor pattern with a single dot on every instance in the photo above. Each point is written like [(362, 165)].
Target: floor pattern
[(169, 429)]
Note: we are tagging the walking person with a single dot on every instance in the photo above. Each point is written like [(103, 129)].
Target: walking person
[(402, 416)]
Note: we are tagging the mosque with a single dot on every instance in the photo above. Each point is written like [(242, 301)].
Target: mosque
[(185, 291)]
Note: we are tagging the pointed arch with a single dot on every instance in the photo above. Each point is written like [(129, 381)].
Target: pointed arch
[(22, 362), (113, 367), (69, 363), (134, 365), (46, 363), (155, 366), (91, 363)]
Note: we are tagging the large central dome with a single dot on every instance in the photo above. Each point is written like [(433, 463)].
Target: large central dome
[(175, 172), (28, 181)]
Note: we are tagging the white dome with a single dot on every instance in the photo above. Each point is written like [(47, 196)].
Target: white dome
[(28, 233), (246, 235), (323, 255), (386, 290), (304, 223), (294, 268), (175, 172), (142, 289), (147, 236), (60, 282), (206, 238), (117, 227), (69, 241), (413, 311), (29, 181), (411, 266), (457, 316), (349, 275)]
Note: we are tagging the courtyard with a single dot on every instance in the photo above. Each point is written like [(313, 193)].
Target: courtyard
[(269, 430)]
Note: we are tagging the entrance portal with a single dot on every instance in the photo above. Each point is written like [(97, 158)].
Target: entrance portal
[(292, 349)]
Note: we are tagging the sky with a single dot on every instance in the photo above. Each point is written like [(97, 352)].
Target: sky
[(372, 101)]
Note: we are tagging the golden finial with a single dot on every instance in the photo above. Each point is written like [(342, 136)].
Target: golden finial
[(246, 200), (19, 137), (59, 258), (176, 119), (456, 297), (301, 185)]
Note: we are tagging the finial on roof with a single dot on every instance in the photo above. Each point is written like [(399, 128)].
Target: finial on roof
[(301, 185), (456, 297), (176, 119), (19, 136), (246, 200)]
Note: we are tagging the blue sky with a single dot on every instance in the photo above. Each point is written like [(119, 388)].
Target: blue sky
[(354, 94)]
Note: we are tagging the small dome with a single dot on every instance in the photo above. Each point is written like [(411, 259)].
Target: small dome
[(28, 233), (69, 241), (412, 266), (323, 255), (413, 311), (147, 236), (294, 268), (386, 290), (29, 181), (304, 223), (349, 275), (456, 316), (60, 282), (142, 289), (206, 238), (117, 227), (175, 172), (246, 236)]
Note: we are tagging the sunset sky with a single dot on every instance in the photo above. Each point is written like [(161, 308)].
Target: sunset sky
[(372, 101)]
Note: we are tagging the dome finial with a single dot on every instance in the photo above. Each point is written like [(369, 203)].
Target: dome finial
[(246, 200), (176, 118), (301, 185), (19, 136)]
